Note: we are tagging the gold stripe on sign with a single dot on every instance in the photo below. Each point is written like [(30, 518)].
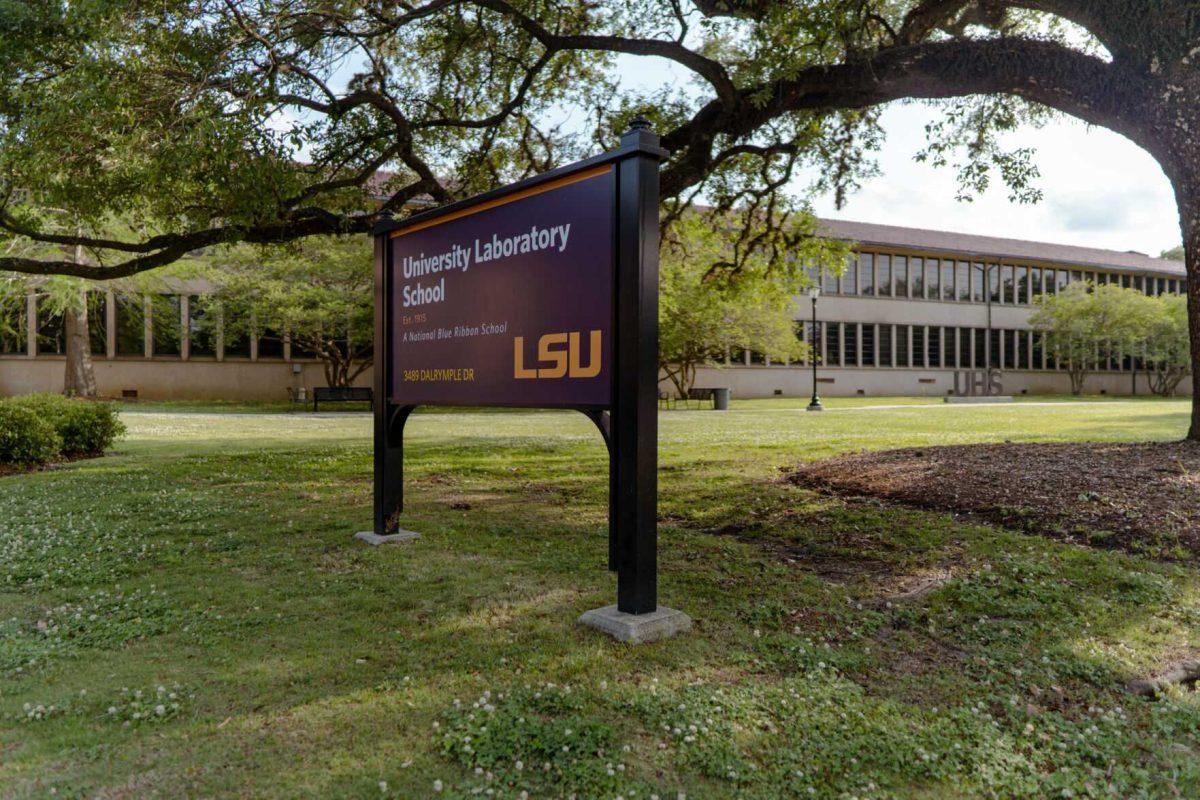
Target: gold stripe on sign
[(558, 183)]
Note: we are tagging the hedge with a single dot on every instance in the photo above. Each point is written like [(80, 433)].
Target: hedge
[(80, 428), (26, 440)]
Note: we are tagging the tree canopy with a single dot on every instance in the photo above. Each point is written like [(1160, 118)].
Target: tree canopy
[(705, 311), (265, 121), (1086, 326)]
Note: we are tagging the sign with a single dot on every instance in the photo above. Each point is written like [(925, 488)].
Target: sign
[(508, 302), (540, 294), (978, 383)]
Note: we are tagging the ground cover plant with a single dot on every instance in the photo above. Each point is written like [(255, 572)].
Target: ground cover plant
[(189, 616)]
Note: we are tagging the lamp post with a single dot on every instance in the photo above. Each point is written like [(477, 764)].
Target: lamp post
[(815, 404)]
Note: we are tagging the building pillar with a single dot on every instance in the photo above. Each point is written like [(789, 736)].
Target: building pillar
[(110, 324), (31, 326), (147, 327), (185, 334)]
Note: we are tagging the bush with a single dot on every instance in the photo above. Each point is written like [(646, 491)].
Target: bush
[(26, 439), (86, 427)]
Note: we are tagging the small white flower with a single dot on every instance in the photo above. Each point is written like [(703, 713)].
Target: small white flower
[(437, 786)]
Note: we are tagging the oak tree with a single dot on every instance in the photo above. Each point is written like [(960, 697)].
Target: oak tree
[(217, 121)]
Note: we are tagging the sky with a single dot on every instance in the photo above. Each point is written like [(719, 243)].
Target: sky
[(1099, 189)]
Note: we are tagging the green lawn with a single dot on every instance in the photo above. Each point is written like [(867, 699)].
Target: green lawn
[(190, 617)]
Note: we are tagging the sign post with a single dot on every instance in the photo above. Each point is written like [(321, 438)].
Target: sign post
[(541, 294)]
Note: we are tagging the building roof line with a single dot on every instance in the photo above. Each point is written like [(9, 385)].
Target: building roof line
[(997, 248)]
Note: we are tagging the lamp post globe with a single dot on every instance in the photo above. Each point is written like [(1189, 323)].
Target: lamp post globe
[(815, 403)]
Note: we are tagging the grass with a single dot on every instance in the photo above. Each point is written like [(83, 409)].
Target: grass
[(190, 617)]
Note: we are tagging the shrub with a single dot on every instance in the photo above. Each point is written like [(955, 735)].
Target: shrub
[(86, 427), (26, 440)]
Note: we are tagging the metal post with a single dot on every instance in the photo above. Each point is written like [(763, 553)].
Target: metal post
[(634, 422), (815, 403), (389, 418)]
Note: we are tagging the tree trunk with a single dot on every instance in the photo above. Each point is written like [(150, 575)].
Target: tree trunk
[(80, 377), (1189, 223)]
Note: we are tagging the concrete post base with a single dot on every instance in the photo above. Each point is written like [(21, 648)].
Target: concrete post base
[(637, 628), (374, 539), (999, 398)]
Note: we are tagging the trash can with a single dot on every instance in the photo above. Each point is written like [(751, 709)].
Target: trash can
[(721, 399)]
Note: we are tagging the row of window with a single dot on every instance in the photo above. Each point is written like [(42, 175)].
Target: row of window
[(887, 275), (869, 344), (133, 338)]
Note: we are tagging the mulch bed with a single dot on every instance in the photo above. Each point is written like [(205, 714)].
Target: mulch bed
[(1139, 497)]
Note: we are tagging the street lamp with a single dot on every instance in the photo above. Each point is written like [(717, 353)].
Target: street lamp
[(815, 404)]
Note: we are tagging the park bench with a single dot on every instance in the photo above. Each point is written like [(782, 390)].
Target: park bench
[(341, 394)]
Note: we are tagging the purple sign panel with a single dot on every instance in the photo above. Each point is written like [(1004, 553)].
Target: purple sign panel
[(508, 302)]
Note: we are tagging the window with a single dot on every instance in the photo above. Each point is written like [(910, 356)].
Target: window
[(131, 330), (992, 273), (833, 342), (1138, 284), (994, 338), (962, 274), (850, 277), (901, 345), (1009, 284), (947, 280), (980, 354), (13, 324), (1038, 351), (932, 288), (829, 282), (237, 340), (167, 322), (1022, 349), (1051, 278), (883, 275), (51, 334), (1010, 349), (757, 359), (918, 345), (916, 276), (978, 274), (964, 348), (867, 351), (885, 346), (1035, 279), (270, 343), (850, 344), (934, 347), (1062, 281), (866, 273), (900, 272), (950, 355), (97, 319), (202, 328), (1022, 285)]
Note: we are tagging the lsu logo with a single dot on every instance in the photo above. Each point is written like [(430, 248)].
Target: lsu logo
[(559, 355)]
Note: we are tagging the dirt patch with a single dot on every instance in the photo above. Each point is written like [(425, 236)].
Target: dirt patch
[(1141, 497)]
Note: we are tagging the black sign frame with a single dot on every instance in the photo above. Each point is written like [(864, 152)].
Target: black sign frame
[(629, 423)]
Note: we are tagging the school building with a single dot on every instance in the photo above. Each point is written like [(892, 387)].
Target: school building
[(911, 309)]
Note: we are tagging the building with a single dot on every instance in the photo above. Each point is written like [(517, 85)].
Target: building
[(912, 308)]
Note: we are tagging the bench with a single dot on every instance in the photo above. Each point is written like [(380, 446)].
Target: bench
[(341, 394)]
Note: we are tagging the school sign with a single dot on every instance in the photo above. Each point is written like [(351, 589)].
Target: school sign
[(542, 294)]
